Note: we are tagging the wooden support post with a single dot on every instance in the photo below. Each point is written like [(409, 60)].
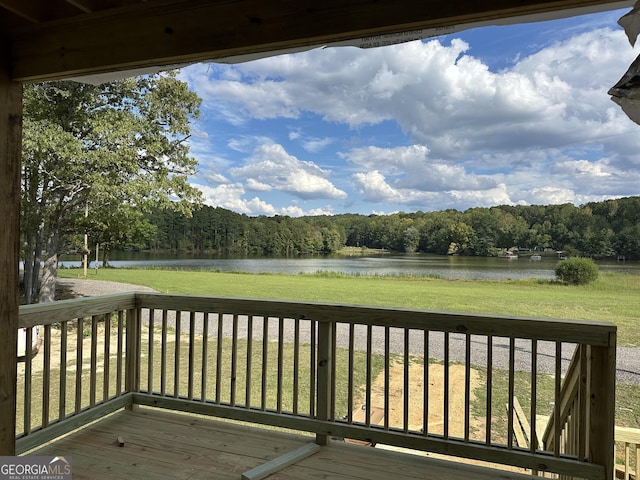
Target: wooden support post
[(10, 156), (602, 387), (132, 368), (325, 362)]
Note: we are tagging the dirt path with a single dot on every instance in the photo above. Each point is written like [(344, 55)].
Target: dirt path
[(84, 287), (436, 397)]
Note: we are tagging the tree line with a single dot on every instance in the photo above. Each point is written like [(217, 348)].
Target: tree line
[(598, 229)]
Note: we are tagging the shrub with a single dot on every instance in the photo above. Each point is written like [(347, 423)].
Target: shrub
[(577, 271)]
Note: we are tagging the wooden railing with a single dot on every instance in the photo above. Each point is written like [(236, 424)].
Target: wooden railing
[(81, 371), (564, 427), (572, 420), (628, 450), (439, 379)]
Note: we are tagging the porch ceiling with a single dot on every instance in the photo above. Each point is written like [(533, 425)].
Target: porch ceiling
[(62, 38)]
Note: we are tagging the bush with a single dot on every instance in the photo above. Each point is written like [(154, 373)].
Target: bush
[(577, 271)]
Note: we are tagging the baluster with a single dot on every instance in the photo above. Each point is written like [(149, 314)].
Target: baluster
[(205, 357), (106, 379), (425, 385), (247, 401), (93, 372), (467, 386), (280, 364), (152, 315), (511, 390), (296, 364), (79, 358), (445, 387), (387, 380), (219, 359), (489, 409), (265, 362), (234, 360), (163, 353), (176, 356), (350, 381), (192, 354), (405, 407), (64, 332)]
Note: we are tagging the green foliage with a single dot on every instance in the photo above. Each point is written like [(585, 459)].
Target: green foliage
[(116, 150), (596, 229), (577, 271)]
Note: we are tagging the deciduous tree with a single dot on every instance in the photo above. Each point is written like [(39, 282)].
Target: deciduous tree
[(117, 149)]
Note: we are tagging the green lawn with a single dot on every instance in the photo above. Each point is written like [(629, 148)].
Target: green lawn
[(612, 298)]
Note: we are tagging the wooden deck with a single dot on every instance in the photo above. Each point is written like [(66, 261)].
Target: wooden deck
[(309, 368), (167, 445)]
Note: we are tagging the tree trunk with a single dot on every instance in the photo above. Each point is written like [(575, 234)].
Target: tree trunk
[(32, 267), (105, 256), (50, 271), (27, 277)]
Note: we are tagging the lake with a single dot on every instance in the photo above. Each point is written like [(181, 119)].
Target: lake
[(450, 267)]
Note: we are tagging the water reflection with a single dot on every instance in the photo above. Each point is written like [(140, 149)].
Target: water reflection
[(449, 267)]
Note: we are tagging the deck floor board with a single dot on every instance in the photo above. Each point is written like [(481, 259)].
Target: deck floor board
[(169, 445)]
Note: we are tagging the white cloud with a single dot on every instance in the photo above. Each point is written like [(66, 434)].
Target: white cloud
[(542, 130), (374, 188), (548, 196), (213, 177), (294, 134), (253, 184), (594, 170), (483, 198), (246, 143), (415, 170), (441, 95), (315, 145), (270, 165), (231, 197), (393, 160)]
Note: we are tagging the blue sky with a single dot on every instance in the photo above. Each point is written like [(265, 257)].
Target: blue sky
[(496, 115)]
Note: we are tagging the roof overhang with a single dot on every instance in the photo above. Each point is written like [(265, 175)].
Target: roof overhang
[(98, 36)]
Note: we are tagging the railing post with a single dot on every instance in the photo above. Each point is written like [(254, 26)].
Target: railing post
[(325, 380), (132, 364), (602, 387)]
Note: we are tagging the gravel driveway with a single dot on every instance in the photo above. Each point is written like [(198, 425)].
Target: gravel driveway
[(628, 358)]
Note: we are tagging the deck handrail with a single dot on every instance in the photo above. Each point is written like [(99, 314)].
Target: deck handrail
[(572, 397), (574, 426), (221, 356)]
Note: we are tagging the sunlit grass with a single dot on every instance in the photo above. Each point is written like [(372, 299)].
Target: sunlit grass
[(612, 298)]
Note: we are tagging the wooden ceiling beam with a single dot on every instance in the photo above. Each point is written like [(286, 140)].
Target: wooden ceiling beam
[(30, 10), (39, 11), (150, 34), (85, 5), (91, 6)]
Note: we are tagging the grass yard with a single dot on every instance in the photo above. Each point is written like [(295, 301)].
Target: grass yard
[(612, 298)]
